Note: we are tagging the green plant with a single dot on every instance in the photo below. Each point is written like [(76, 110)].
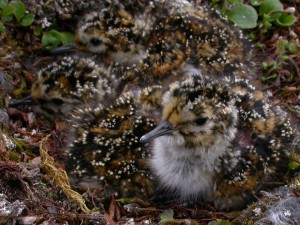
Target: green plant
[(244, 16), (53, 38), (280, 67), (219, 222), (10, 10), (167, 217), (2, 27), (281, 56), (294, 164), (272, 12), (17, 10), (261, 13)]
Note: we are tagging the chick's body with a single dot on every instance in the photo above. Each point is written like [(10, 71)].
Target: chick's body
[(106, 148), (219, 142), (157, 44)]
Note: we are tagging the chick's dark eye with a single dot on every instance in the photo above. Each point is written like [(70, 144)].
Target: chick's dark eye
[(57, 101), (95, 41), (200, 121)]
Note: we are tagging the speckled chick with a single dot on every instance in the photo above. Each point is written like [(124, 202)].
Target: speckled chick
[(106, 152), (157, 44), (68, 8), (113, 34), (64, 84), (219, 141)]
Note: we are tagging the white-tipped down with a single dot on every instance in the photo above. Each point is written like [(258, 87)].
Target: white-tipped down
[(285, 212)]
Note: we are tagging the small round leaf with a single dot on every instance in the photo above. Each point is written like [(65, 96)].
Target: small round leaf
[(268, 6), (38, 31), (27, 20), (285, 20), (51, 39), (293, 48), (3, 3), (19, 9), (7, 10), (243, 16), (66, 37), (6, 18)]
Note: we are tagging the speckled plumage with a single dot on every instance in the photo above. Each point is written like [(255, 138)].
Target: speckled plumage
[(223, 142), (157, 44), (62, 85), (220, 141), (67, 9), (106, 148)]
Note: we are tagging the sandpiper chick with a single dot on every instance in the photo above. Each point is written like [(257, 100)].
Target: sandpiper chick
[(64, 84), (157, 44), (219, 141), (106, 153)]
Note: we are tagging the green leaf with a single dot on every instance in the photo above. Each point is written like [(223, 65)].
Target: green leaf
[(219, 222), (134, 200), (268, 6), (2, 27), (7, 10), (166, 217), (27, 20), (266, 17), (294, 166), (285, 20), (256, 2), (215, 1), (268, 24), (3, 3), (283, 43), (213, 223), (224, 222), (243, 16), (51, 39), (265, 65), (293, 48), (281, 47), (19, 9), (270, 77), (235, 1), (37, 31), (66, 37), (6, 18), (260, 45), (252, 36)]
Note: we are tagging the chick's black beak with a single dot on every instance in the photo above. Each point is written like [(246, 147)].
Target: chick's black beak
[(68, 48), (162, 129), (24, 101)]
